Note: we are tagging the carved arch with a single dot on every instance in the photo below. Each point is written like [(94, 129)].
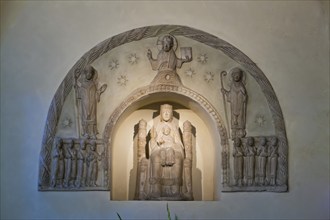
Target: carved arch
[(154, 31), (148, 91)]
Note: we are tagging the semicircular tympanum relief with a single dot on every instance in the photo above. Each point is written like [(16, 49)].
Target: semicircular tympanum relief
[(164, 113)]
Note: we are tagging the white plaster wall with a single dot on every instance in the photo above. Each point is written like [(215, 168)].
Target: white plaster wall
[(41, 41)]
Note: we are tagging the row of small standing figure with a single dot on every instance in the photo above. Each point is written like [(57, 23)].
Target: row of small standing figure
[(73, 167), (255, 165)]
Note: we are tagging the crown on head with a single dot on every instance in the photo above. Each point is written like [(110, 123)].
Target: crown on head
[(166, 106)]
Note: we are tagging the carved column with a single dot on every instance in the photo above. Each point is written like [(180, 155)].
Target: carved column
[(142, 133), (142, 173), (187, 141)]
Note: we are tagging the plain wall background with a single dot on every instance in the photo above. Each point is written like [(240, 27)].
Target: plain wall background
[(41, 41)]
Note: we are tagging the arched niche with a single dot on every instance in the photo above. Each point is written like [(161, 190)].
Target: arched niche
[(130, 99), (206, 163)]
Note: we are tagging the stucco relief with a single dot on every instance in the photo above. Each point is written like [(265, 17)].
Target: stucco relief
[(77, 164), (165, 172), (237, 97), (167, 62), (88, 94), (250, 159)]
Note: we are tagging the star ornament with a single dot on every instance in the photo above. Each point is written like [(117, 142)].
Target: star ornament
[(202, 58), (133, 59), (122, 80), (208, 77), (190, 72), (260, 120), (66, 122), (113, 64)]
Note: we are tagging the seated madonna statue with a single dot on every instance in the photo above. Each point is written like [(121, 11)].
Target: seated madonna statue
[(167, 177)]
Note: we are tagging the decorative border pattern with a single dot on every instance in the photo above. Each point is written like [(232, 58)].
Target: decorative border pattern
[(149, 32)]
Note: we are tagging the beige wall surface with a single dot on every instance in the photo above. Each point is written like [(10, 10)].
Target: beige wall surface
[(288, 40)]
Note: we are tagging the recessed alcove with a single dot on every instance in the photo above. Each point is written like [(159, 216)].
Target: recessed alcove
[(206, 181)]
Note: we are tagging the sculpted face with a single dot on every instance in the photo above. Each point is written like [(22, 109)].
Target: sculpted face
[(166, 113), (237, 142), (250, 141), (237, 75), (167, 44), (263, 141), (89, 73), (167, 130)]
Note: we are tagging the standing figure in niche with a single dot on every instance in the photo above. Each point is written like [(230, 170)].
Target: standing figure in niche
[(167, 62), (57, 159), (261, 159), (166, 179), (272, 160), (237, 97), (81, 170), (89, 93), (73, 173), (249, 154), (238, 162), (91, 160), (142, 171), (187, 138), (68, 162)]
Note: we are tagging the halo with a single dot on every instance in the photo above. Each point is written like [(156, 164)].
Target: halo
[(160, 42)]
